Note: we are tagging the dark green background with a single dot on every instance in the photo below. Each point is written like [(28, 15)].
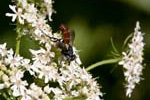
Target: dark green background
[(95, 22)]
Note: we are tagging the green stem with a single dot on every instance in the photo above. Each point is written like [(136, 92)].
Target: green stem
[(11, 95), (108, 61), (5, 96), (18, 39)]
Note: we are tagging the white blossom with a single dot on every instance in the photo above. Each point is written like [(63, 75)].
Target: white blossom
[(132, 61), (6, 80), (26, 97), (17, 14), (37, 93), (42, 55), (31, 13), (2, 86), (26, 64), (45, 65), (3, 50), (23, 3), (39, 26), (13, 61), (74, 75), (18, 86), (49, 72), (48, 4)]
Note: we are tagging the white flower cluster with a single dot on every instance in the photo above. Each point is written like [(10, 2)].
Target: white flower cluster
[(32, 18), (132, 61), (53, 78)]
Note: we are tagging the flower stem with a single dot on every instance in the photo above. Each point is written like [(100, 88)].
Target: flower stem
[(108, 61), (18, 39), (5, 96)]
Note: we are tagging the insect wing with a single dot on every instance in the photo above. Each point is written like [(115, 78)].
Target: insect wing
[(72, 36)]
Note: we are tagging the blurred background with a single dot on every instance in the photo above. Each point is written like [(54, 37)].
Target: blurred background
[(95, 23)]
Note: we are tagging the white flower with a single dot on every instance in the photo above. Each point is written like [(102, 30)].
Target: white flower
[(93, 91), (26, 64), (3, 50), (74, 76), (132, 61), (13, 61), (39, 26), (47, 89), (46, 72), (26, 97), (48, 4), (31, 13), (71, 80), (58, 93), (17, 14), (23, 3), (6, 80), (49, 72), (42, 55), (18, 86), (2, 86), (37, 93)]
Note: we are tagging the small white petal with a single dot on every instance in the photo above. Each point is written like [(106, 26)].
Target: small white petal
[(2, 86), (13, 8)]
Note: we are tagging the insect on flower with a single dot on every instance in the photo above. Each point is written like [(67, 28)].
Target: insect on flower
[(65, 44)]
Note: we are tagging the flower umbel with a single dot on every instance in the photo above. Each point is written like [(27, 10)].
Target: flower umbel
[(132, 60), (52, 78)]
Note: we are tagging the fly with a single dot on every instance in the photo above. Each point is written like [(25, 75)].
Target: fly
[(66, 43)]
